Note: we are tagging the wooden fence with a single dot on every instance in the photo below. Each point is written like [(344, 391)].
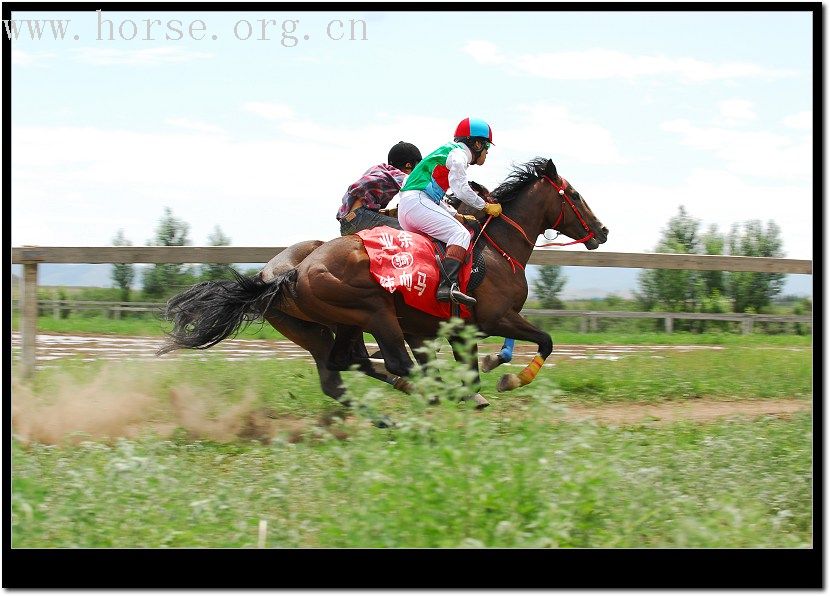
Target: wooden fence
[(31, 256)]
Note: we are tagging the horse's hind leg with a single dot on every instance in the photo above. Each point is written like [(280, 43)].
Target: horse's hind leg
[(416, 344), (346, 352), (349, 350), (470, 358), (387, 331), (318, 340)]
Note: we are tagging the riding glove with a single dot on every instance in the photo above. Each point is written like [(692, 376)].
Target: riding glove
[(493, 209)]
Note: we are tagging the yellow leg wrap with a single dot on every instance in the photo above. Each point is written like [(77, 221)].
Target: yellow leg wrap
[(531, 370)]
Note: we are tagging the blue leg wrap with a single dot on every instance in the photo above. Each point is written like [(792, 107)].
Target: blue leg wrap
[(506, 354)]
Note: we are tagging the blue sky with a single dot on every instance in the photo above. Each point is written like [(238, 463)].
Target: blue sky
[(641, 112)]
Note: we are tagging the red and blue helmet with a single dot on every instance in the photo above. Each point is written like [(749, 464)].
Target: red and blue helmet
[(474, 128)]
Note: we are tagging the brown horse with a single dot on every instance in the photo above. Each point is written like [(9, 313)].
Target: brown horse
[(322, 295)]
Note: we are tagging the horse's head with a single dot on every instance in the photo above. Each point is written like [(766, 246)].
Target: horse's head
[(568, 213)]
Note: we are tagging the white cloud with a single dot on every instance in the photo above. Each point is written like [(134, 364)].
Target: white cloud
[(262, 193), (549, 129), (271, 192), (286, 189), (19, 57), (484, 52), (146, 56), (800, 120), (24, 58), (636, 212), (736, 110), (269, 111), (196, 125), (381, 132), (600, 63), (751, 153)]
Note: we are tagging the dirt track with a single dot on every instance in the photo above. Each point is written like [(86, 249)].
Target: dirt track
[(698, 410), (90, 347), (55, 421)]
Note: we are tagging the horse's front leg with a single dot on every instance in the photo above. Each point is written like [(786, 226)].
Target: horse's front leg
[(491, 361), (515, 326), (469, 356)]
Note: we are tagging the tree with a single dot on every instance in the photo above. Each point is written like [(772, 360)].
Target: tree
[(748, 290), (166, 278), (212, 271), (713, 244), (675, 289), (123, 274), (547, 286)]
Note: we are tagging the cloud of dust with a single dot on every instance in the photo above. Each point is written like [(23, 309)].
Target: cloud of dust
[(122, 402), (106, 407), (241, 420)]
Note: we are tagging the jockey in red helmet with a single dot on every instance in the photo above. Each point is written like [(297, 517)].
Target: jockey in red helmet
[(422, 210)]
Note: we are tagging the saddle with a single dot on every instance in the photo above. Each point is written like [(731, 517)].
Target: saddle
[(405, 262)]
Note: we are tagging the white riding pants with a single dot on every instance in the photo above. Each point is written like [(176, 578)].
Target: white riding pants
[(418, 213)]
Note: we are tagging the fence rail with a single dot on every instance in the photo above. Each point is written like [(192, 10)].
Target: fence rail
[(108, 308), (590, 318), (31, 256), (258, 254)]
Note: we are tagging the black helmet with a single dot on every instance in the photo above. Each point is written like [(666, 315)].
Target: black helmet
[(402, 153)]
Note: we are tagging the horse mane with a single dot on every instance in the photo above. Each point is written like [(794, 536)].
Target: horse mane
[(521, 176)]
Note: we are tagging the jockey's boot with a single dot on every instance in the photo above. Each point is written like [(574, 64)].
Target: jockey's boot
[(449, 289)]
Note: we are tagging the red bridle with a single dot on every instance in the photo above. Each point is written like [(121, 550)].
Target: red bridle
[(565, 198)]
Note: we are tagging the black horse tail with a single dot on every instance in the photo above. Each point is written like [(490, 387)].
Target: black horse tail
[(210, 311)]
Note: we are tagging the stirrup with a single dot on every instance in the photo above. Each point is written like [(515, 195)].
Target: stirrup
[(457, 295)]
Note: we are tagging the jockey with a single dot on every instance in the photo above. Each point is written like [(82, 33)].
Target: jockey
[(375, 189), (422, 210)]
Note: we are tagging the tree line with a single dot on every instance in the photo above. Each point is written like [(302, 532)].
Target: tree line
[(165, 279), (677, 290)]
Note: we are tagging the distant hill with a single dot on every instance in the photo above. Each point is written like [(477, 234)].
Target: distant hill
[(582, 282)]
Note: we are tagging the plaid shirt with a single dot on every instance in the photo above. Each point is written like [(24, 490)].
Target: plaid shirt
[(378, 185)]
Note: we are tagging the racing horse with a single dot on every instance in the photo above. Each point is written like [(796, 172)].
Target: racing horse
[(322, 296)]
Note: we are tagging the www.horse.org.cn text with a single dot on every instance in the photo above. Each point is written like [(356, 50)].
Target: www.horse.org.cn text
[(287, 32)]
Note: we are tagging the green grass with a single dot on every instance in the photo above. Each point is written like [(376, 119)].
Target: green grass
[(726, 373), (152, 327), (515, 475), (459, 480)]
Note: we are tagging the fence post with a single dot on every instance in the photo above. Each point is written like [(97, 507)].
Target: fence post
[(593, 321), (669, 324), (583, 325), (746, 326), (28, 319)]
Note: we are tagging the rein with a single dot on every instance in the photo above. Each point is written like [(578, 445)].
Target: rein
[(565, 197), (513, 262)]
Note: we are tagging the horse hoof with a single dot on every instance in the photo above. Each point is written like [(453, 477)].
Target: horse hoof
[(404, 385), (378, 365), (383, 422), (434, 401), (489, 362), (508, 382), (481, 402)]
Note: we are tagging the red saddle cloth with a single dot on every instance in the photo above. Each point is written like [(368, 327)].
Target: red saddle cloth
[(405, 262)]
